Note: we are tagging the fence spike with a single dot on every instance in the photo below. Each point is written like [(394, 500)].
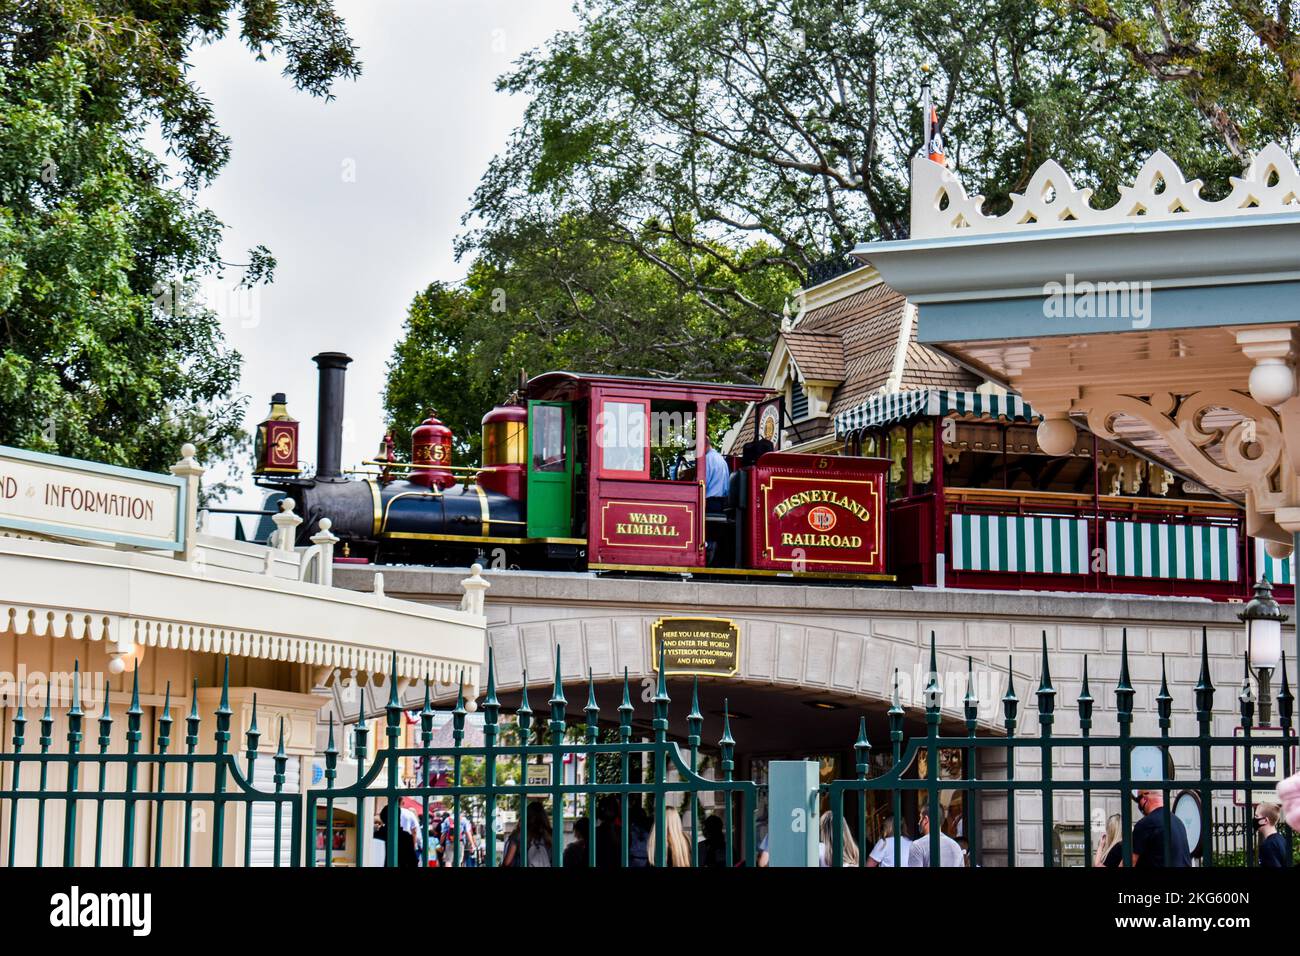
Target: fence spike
[(20, 722), (252, 735), (933, 693), (557, 687), (426, 719), (1204, 686), (105, 722), (490, 703), (134, 707), (47, 718), (393, 701), (726, 740), (1164, 700), (458, 713), (592, 709), (1046, 692), (625, 713), (661, 691), (193, 720), (971, 697), (1124, 692), (862, 749), (1285, 700), (165, 721), (1085, 700), (1010, 702), (1247, 696), (75, 709), (224, 706)]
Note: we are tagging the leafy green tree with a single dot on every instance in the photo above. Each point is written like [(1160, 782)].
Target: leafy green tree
[(549, 296), (1236, 61), (682, 165), (104, 351)]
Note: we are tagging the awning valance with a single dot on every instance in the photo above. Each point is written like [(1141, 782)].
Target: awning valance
[(899, 406)]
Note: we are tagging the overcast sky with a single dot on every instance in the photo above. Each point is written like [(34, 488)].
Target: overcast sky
[(360, 198)]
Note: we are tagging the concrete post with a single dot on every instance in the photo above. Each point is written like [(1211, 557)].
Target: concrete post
[(191, 471), (325, 540), (792, 823)]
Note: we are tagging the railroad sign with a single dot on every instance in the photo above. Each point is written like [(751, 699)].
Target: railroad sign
[(68, 498), (832, 520), (1266, 765), (696, 645)]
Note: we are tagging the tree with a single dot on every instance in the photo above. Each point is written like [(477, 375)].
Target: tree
[(104, 353), (547, 296), (1236, 61), (794, 121)]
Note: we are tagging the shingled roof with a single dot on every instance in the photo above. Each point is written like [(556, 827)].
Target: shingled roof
[(818, 355), (853, 339)]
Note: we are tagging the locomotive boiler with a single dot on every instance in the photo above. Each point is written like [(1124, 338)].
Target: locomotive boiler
[(586, 472)]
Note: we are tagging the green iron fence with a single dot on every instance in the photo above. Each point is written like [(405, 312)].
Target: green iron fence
[(381, 780), (47, 792), (53, 796), (1045, 747)]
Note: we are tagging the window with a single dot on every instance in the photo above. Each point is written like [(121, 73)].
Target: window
[(623, 438), (548, 439), (798, 401)]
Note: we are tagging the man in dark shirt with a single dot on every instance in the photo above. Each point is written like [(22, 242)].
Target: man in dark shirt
[(1149, 834), (1272, 845)]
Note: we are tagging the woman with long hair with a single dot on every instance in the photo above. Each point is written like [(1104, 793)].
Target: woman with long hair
[(539, 838), (826, 847), (1111, 848), (677, 849)]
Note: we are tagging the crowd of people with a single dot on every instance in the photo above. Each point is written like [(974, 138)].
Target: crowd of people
[(1147, 843)]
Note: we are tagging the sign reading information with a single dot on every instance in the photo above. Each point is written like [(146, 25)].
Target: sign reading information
[(696, 645), (64, 497)]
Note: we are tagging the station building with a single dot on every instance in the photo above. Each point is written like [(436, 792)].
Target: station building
[(109, 585)]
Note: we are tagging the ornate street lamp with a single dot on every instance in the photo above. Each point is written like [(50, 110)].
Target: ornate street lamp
[(1263, 618)]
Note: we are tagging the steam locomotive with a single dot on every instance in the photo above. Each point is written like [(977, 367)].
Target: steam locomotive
[(583, 472)]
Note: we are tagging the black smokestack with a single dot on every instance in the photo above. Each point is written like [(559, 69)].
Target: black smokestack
[(329, 415)]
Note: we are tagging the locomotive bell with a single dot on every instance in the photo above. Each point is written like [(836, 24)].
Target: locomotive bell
[(276, 445), (431, 449)]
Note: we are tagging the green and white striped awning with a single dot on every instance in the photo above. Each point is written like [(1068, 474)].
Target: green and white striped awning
[(1277, 570), (1139, 549), (899, 406), (1019, 543)]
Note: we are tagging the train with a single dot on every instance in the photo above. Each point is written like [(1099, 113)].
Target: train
[(586, 472)]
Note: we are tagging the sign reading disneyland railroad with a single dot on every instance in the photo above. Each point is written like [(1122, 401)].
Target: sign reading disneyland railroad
[(696, 645), (66, 498), (831, 521)]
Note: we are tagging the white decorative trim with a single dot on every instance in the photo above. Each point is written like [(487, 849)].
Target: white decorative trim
[(1051, 201)]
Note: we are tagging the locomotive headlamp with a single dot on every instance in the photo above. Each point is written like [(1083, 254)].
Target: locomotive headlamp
[(277, 441)]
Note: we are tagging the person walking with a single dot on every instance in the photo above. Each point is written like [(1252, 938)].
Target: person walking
[(882, 854), (539, 838), (576, 853), (1110, 851), (826, 844), (1149, 834), (1272, 845), (949, 852), (677, 849), (713, 848)]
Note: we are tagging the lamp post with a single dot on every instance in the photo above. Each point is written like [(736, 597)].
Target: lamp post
[(1263, 618)]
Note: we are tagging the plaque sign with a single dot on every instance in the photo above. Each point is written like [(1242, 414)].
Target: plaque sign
[(705, 646), (66, 498)]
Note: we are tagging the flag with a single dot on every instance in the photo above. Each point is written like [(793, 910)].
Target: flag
[(933, 141)]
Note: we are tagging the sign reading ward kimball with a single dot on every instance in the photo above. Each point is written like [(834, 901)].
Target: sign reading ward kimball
[(64, 497)]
